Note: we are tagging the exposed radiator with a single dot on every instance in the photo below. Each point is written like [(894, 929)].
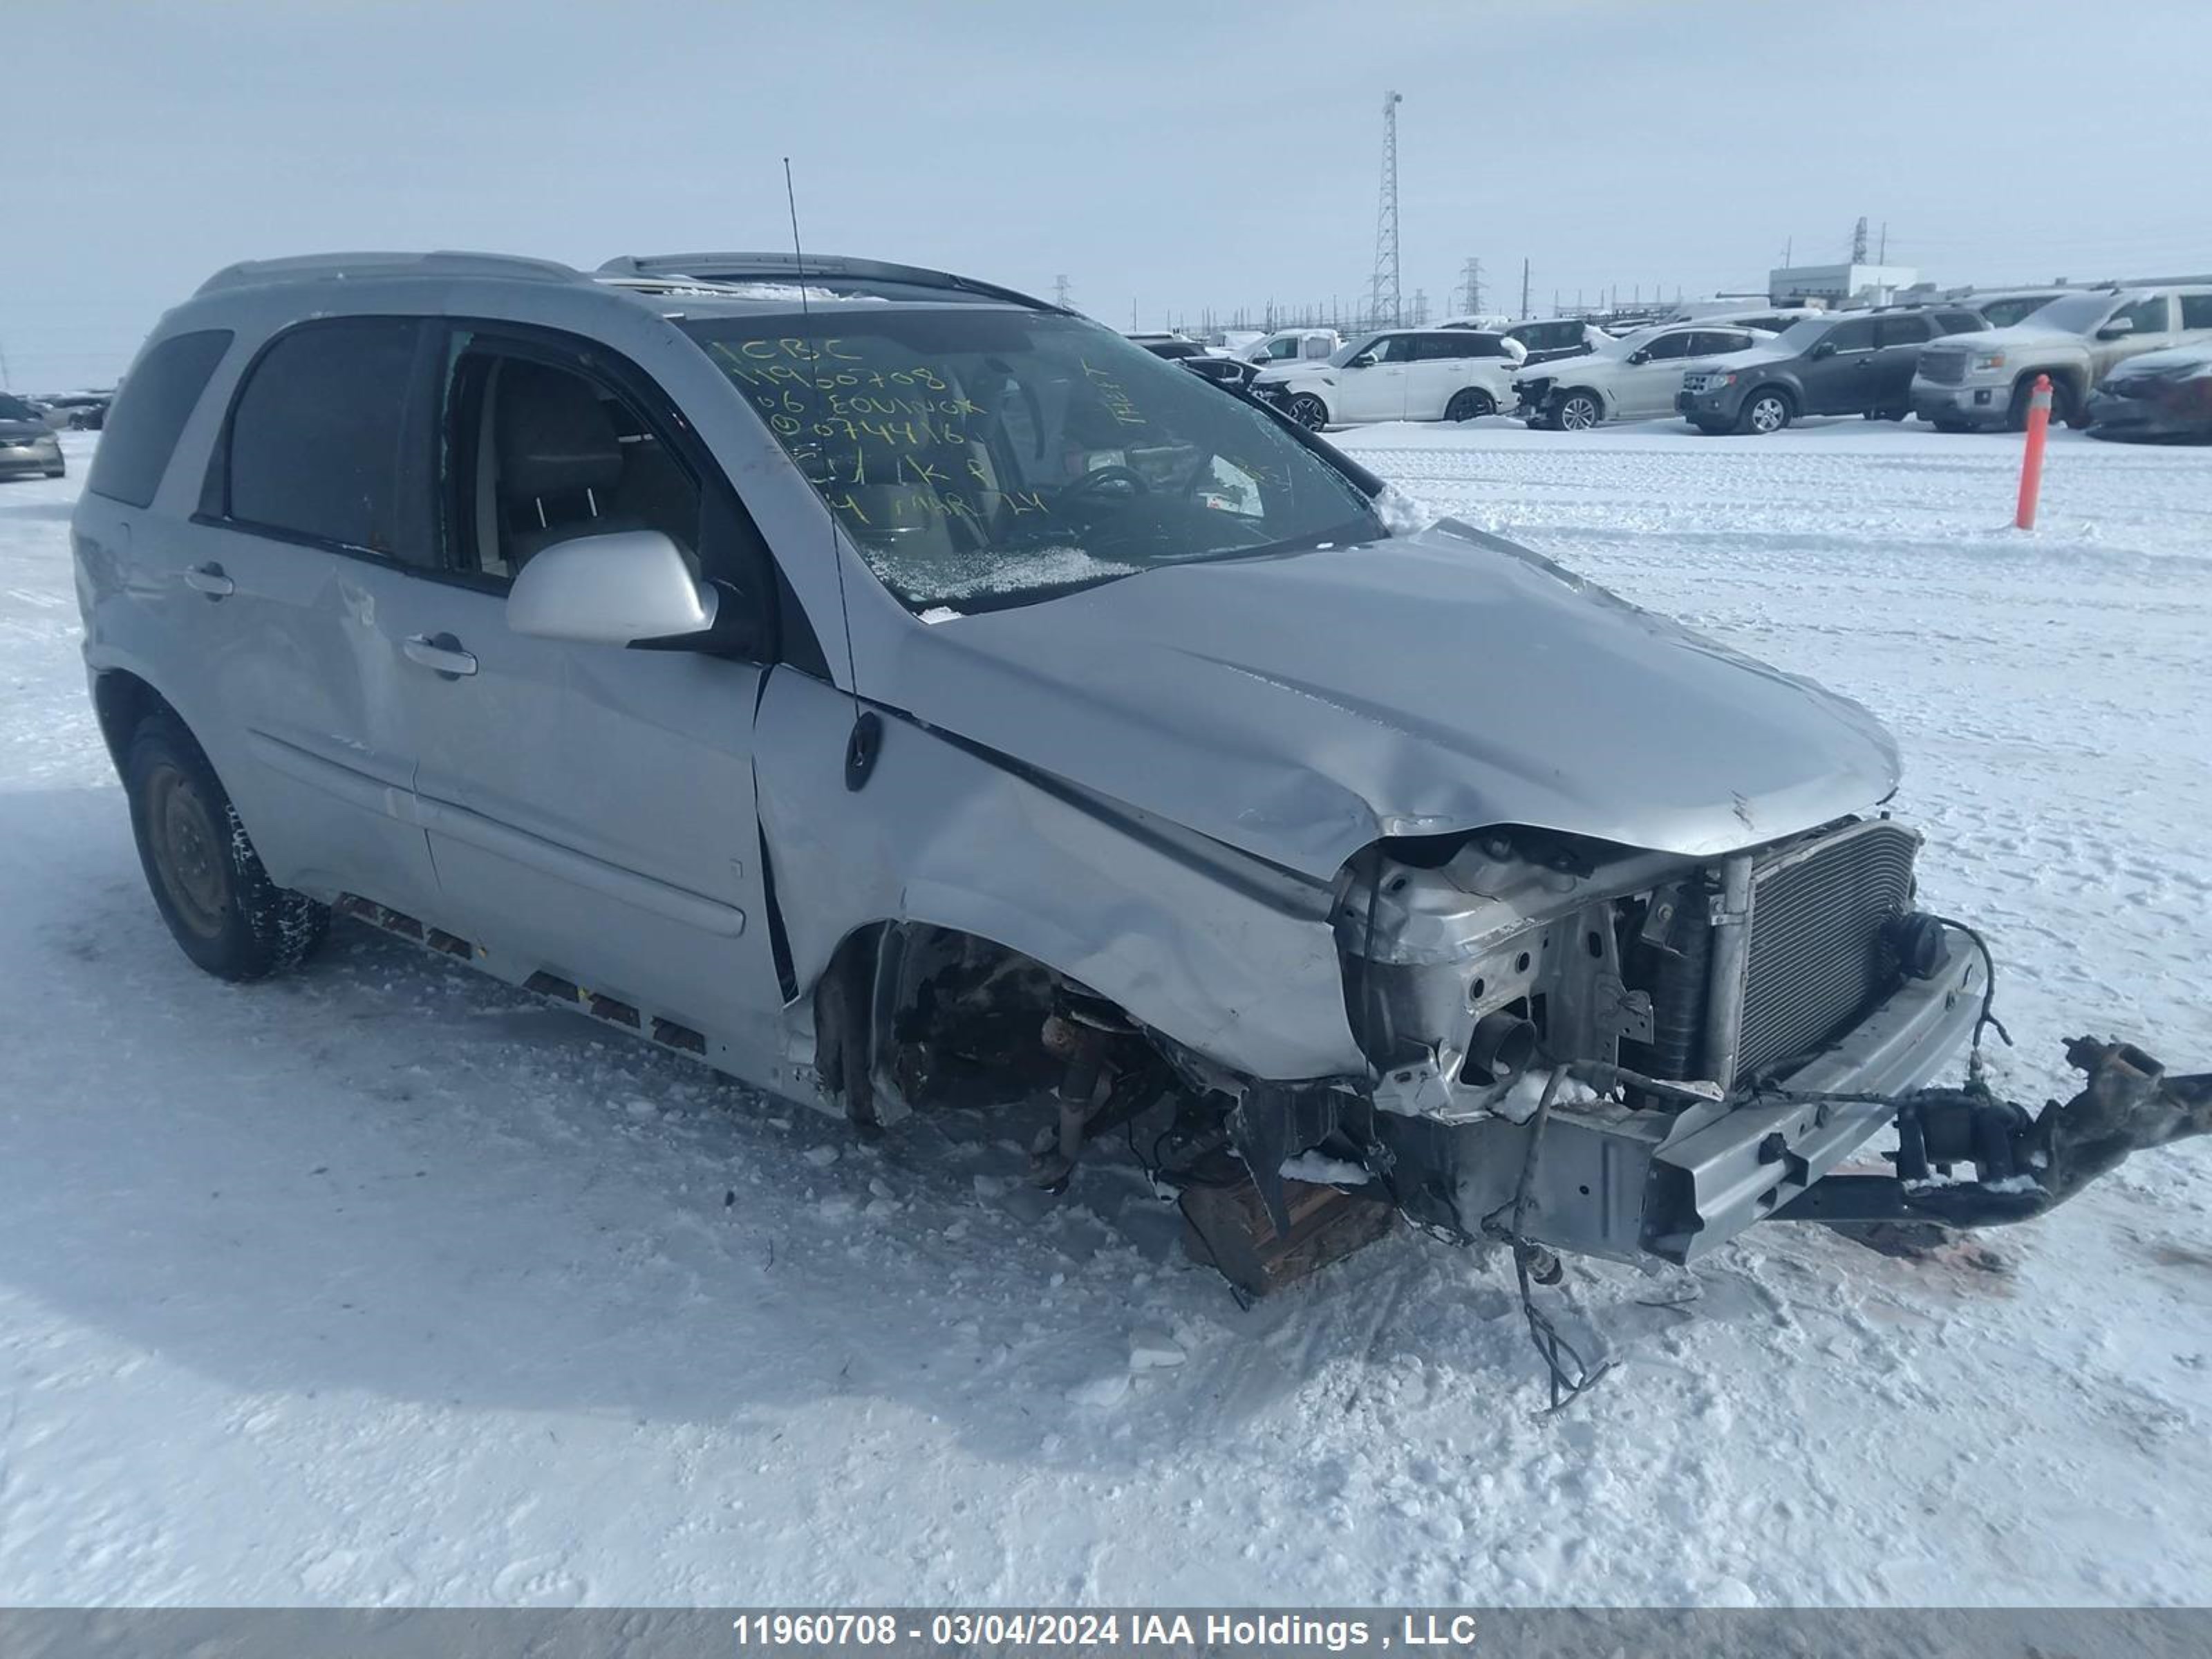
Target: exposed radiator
[(1817, 957)]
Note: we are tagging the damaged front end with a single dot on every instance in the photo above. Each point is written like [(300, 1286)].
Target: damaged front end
[(1666, 996)]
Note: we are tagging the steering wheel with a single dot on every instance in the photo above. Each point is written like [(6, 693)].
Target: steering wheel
[(1126, 483)]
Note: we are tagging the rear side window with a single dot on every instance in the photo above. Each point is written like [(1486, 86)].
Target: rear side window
[(1909, 329), (140, 431), (2197, 311), (328, 441)]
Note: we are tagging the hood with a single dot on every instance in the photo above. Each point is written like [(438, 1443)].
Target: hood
[(2024, 335), (1300, 706), (2175, 362)]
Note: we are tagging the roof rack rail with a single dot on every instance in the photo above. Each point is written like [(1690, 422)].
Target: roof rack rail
[(340, 267), (829, 268)]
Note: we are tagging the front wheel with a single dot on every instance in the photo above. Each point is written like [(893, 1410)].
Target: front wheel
[(1469, 404), (1578, 412), (207, 880), (1309, 411), (1763, 412)]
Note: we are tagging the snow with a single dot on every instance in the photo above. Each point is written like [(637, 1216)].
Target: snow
[(367, 1286), (1323, 1170)]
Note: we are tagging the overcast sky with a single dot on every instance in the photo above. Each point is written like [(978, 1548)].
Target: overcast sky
[(1166, 155)]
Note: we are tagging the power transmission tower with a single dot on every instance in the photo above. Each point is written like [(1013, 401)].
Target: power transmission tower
[(1383, 295), (1470, 290), (1859, 241), (1420, 307), (1059, 291), (1525, 285)]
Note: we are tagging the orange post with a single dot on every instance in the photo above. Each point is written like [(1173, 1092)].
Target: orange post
[(2031, 460)]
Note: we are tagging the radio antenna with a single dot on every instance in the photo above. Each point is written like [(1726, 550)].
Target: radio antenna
[(867, 733)]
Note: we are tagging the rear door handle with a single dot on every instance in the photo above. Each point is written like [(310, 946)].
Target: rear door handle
[(442, 653), (209, 578)]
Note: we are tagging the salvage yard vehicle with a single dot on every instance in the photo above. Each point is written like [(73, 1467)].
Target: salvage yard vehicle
[(28, 447), (2159, 395), (1398, 374), (1292, 345), (1853, 362), (904, 695), (2076, 339), (1631, 380)]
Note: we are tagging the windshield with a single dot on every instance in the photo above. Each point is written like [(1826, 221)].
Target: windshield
[(1350, 349), (15, 409), (981, 458), (2004, 313), (2075, 313)]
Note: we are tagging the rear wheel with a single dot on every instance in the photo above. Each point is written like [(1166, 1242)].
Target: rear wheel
[(207, 880), (1763, 412), (1309, 411), (1470, 404)]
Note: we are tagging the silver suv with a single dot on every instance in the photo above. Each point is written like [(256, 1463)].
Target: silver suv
[(902, 695)]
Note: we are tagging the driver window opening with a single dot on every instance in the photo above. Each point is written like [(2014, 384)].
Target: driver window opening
[(544, 455)]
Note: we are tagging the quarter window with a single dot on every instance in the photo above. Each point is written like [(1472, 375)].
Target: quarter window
[(140, 431), (2197, 311), (328, 441)]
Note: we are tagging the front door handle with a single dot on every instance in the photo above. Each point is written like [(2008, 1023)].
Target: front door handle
[(442, 653), (209, 578)]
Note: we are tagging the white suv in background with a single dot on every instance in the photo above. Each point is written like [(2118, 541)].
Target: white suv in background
[(1630, 380), (1292, 345), (1399, 374)]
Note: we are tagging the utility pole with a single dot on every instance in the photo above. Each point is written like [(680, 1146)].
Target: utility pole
[(1524, 285), (1060, 291), (1133, 317), (1471, 286), (1882, 257), (1384, 297)]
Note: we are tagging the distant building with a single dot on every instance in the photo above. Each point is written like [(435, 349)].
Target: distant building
[(1838, 285)]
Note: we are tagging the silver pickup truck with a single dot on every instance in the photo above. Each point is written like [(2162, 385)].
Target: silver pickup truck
[(1985, 379)]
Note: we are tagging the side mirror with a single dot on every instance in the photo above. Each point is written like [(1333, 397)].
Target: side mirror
[(628, 586), (1822, 348), (1639, 355), (1364, 360), (2117, 327)]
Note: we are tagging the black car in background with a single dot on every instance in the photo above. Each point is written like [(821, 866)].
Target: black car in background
[(2159, 395), (1231, 372), (1855, 363)]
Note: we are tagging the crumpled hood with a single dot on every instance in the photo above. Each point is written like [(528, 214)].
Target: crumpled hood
[(1299, 706)]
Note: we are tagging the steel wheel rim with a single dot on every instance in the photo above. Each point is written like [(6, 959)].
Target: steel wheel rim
[(1577, 415), (189, 852), (1766, 415)]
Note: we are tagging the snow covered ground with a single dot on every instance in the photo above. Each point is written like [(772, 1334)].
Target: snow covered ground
[(380, 1285)]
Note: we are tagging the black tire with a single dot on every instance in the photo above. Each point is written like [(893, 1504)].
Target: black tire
[(58, 472), (1710, 429), (1950, 426), (1470, 404), (1577, 411), (2064, 405), (207, 880), (1309, 411), (1767, 411)]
